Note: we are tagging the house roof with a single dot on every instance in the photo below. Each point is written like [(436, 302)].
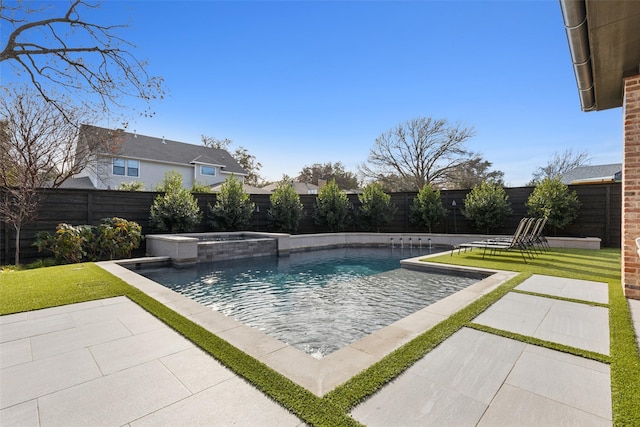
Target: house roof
[(250, 189), (596, 173), (132, 145), (603, 41), (81, 183), (300, 187)]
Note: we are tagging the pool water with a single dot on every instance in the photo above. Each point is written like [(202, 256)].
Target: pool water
[(317, 301)]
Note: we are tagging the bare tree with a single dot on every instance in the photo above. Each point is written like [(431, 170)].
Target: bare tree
[(420, 151), (559, 164), (38, 148), (89, 61)]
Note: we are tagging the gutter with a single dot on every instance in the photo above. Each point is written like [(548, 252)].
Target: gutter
[(574, 13)]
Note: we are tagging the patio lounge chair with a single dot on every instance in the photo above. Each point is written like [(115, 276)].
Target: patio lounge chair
[(537, 238), (517, 241)]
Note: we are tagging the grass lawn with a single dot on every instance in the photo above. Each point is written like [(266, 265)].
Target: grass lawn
[(53, 286)]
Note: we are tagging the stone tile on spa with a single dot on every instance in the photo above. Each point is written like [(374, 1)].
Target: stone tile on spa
[(196, 369), (23, 414), (234, 402), (33, 327), (75, 338), (577, 325), (113, 399), (567, 288), (133, 350), (33, 379), (412, 400), (565, 382), (15, 352), (520, 408)]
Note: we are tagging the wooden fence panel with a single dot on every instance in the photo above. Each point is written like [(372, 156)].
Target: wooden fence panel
[(600, 215)]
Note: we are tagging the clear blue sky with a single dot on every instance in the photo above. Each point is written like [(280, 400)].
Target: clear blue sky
[(303, 82)]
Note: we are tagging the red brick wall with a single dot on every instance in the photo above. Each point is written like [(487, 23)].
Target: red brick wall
[(631, 188)]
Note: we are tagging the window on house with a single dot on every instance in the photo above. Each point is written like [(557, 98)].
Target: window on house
[(208, 170), (133, 168), (126, 167), (118, 166)]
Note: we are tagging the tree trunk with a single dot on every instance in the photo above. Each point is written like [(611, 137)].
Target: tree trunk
[(17, 227)]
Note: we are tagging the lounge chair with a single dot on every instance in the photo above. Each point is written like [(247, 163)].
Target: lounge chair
[(517, 241)]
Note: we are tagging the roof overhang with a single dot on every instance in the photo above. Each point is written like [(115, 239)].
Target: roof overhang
[(604, 41)]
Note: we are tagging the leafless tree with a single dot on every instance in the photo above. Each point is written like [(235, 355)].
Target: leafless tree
[(91, 62), (559, 164), (420, 151), (38, 149)]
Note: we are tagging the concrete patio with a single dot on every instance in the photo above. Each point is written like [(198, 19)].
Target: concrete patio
[(111, 363)]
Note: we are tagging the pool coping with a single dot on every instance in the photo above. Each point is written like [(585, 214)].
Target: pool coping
[(319, 376)]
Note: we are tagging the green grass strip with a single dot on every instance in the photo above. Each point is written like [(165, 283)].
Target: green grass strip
[(599, 357), (578, 301), (625, 361), (373, 378)]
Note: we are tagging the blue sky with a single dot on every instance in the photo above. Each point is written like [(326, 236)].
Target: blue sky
[(298, 83)]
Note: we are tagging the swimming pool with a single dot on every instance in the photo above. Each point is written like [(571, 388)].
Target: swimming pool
[(318, 301)]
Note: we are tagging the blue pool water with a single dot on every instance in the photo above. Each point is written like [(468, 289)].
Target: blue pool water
[(316, 301)]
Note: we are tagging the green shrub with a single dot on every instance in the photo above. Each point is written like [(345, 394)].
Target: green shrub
[(198, 187), (552, 199), (487, 206), (233, 208), (176, 210), (332, 207), (113, 238), (131, 186), (286, 209), (69, 244), (116, 238), (427, 210), (376, 209)]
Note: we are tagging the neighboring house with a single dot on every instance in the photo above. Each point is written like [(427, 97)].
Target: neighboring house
[(249, 189), (594, 174), (123, 157), (300, 187)]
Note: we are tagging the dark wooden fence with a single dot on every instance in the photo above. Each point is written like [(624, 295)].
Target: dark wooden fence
[(600, 215)]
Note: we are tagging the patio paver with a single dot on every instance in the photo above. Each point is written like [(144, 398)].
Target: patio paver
[(111, 363)]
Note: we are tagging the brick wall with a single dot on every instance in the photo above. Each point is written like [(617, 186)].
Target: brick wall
[(631, 188)]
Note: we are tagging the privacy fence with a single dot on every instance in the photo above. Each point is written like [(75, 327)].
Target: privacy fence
[(600, 215)]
